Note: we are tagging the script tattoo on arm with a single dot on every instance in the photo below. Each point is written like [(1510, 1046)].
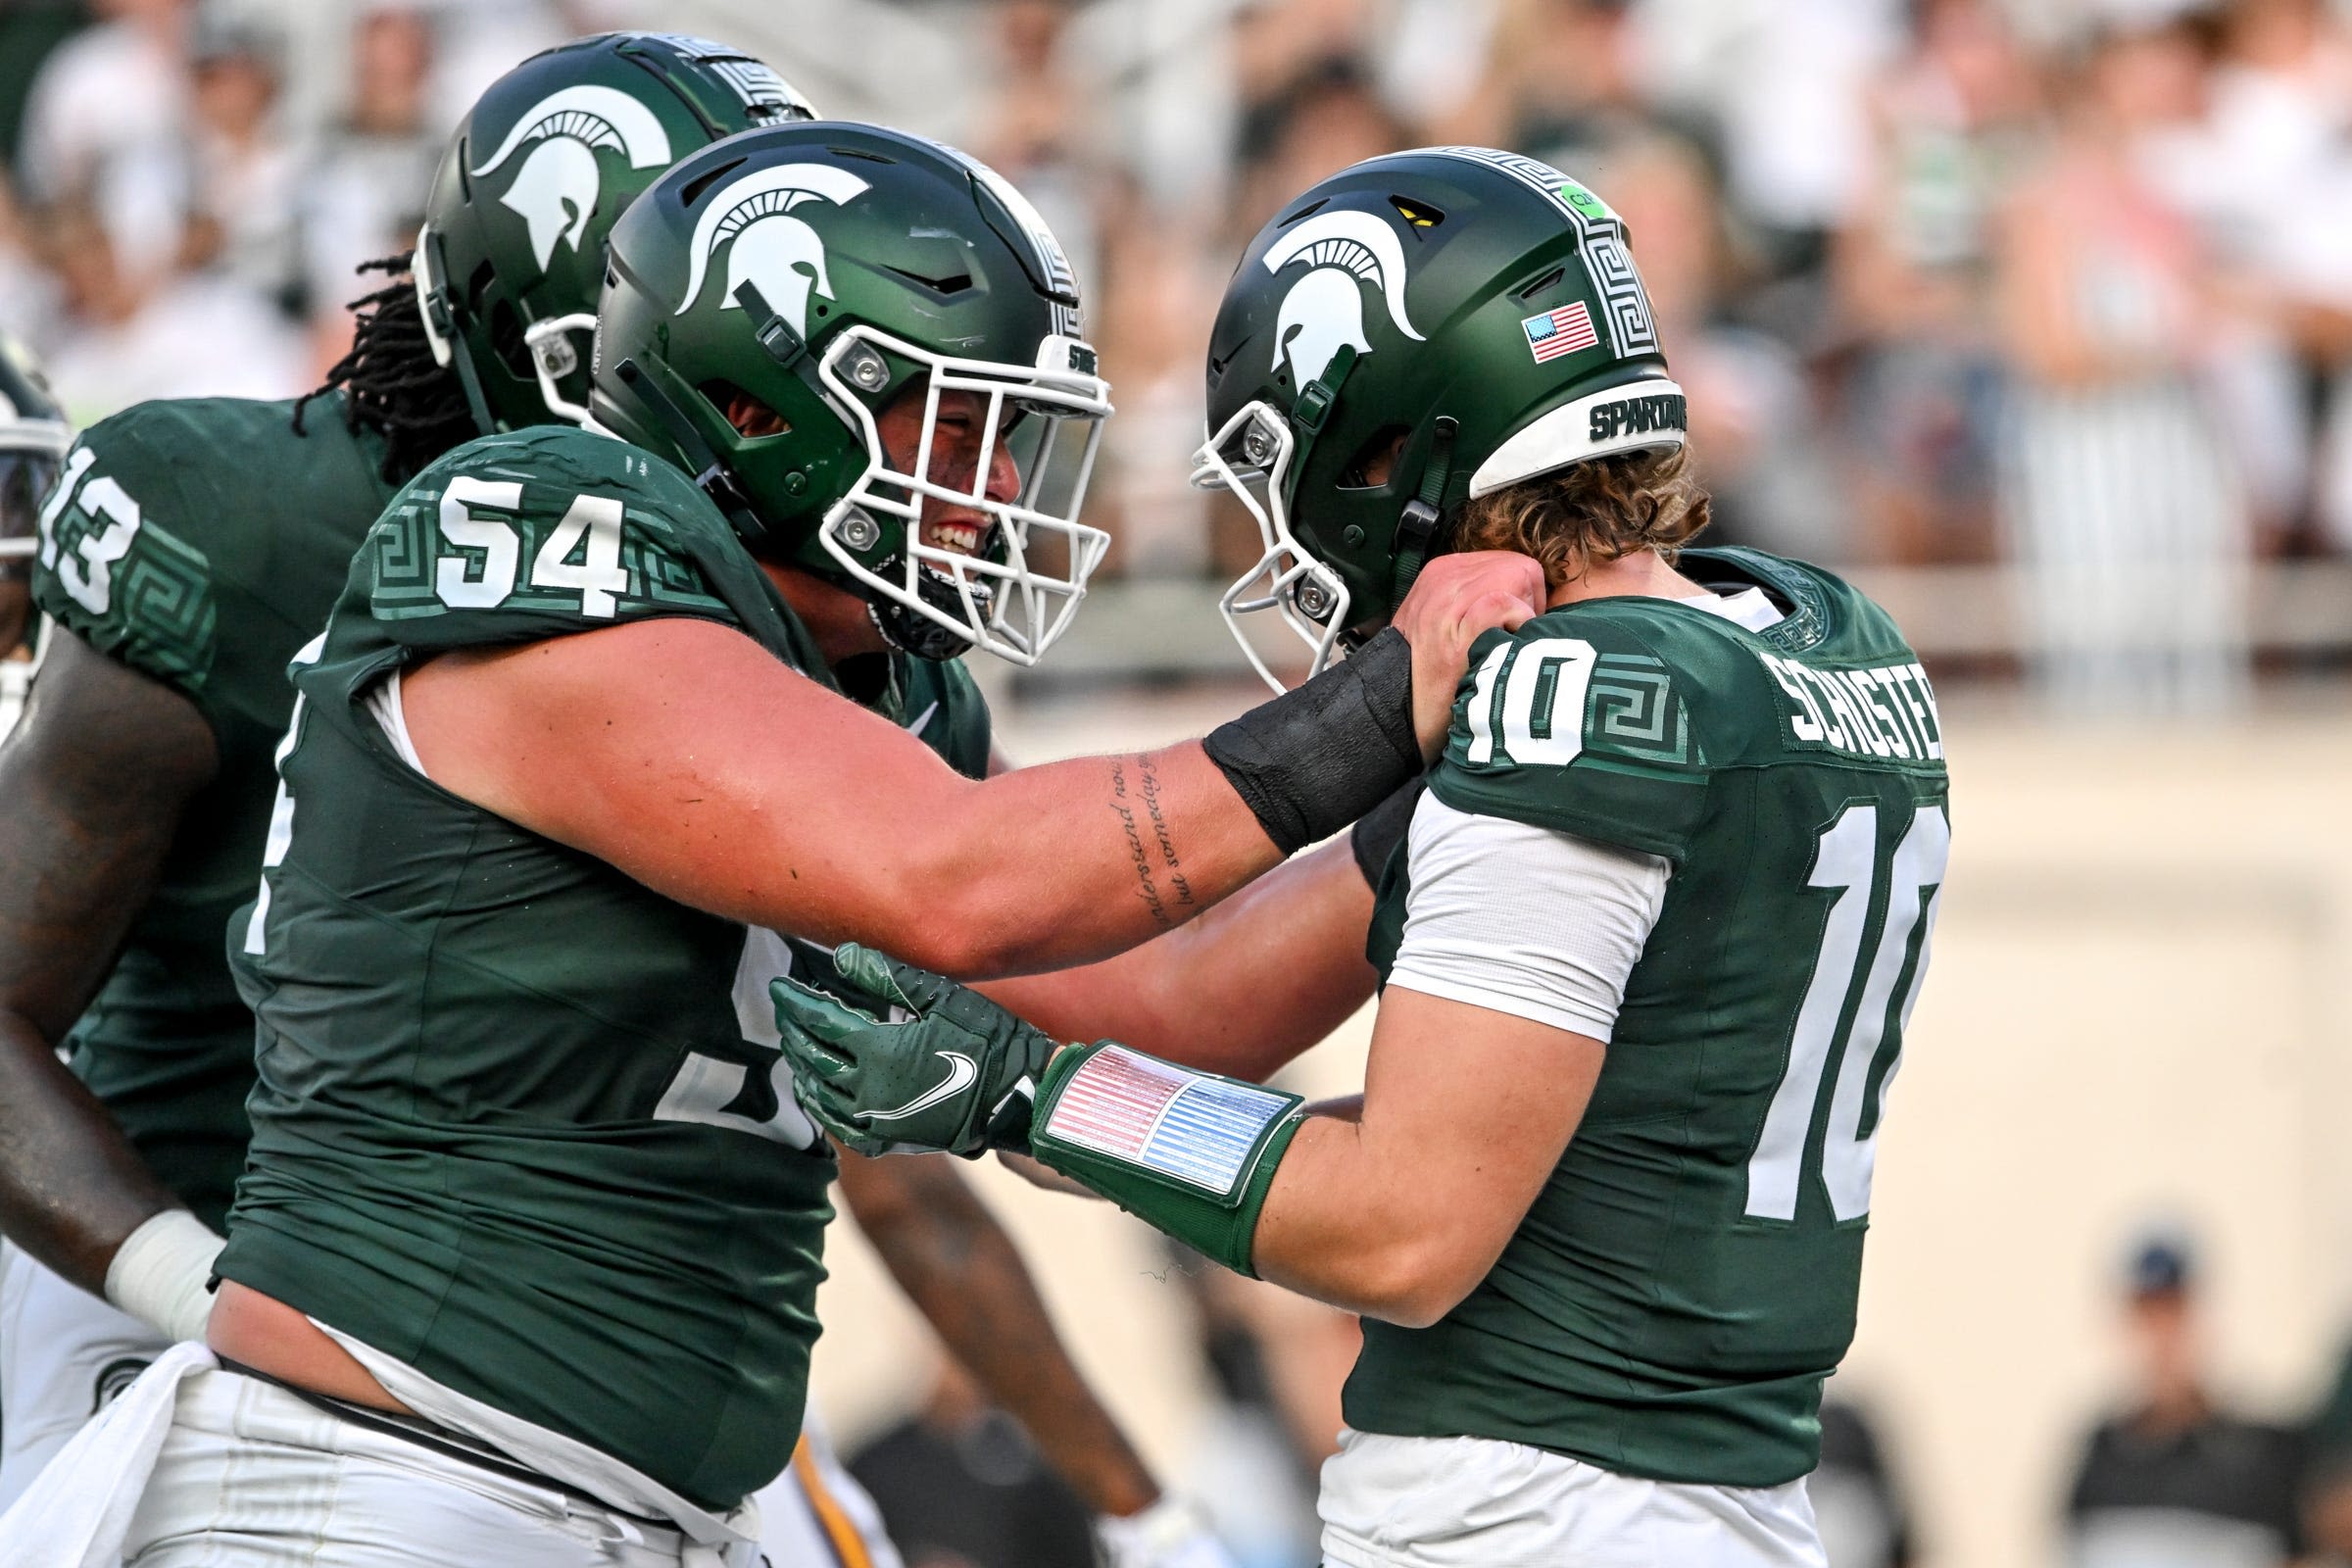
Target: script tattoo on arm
[(1151, 844)]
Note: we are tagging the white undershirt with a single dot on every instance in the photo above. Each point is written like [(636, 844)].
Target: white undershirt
[(383, 704), (1531, 921), (1526, 921), (1748, 607)]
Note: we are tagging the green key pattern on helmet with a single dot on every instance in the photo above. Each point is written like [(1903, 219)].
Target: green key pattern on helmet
[(1477, 306), (821, 271), (513, 249)]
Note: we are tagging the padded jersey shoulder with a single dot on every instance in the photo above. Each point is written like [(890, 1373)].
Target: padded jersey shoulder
[(1611, 717), (553, 530), (174, 513), (1603, 718)]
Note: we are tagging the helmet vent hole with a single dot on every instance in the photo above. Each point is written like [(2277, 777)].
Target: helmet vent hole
[(1541, 283), (1374, 463), (1314, 206), (692, 191), (945, 287), (865, 153), (1418, 214), (750, 418)]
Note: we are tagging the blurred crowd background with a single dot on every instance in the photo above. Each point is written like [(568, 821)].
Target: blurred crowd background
[(2034, 316), (2061, 287)]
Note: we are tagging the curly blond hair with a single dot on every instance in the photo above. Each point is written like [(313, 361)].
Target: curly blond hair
[(1590, 513)]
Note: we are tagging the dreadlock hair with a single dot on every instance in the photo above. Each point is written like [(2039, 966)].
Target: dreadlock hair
[(390, 380)]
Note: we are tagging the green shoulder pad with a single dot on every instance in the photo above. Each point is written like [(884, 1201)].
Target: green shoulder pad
[(1586, 721), (117, 566), (554, 530)]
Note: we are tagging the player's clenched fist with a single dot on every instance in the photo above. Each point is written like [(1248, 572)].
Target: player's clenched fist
[(1452, 601), (933, 1067)]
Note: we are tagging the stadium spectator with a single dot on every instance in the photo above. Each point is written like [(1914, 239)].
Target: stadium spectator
[(2122, 500), (961, 1486), (1277, 1361), (101, 102), (1785, 82), (1754, 425), (1864, 1521), (1560, 82), (242, 170), (1330, 117), (1952, 122), (126, 337), (2176, 1480), (1157, 300), (362, 196), (2281, 133)]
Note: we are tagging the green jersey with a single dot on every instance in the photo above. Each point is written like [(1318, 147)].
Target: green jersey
[(1688, 1275), (200, 541), (522, 1122)]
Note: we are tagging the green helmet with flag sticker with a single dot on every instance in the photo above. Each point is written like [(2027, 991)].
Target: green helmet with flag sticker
[(513, 249), (808, 278), (1472, 312)]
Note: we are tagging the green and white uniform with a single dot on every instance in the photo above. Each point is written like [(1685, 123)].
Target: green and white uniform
[(521, 1126), (204, 572), (1687, 1275), (205, 575)]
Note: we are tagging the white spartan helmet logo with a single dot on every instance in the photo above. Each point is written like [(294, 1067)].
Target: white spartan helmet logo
[(1325, 309), (557, 187), (774, 252)]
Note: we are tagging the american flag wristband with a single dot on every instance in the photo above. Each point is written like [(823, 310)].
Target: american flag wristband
[(1191, 1154)]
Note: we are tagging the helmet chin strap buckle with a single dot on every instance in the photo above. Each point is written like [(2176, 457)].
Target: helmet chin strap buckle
[(775, 334), (1312, 410)]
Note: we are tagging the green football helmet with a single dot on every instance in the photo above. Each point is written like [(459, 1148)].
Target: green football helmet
[(513, 249), (1475, 312), (33, 438), (822, 271)]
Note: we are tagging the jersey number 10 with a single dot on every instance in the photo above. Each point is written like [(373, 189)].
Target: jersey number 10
[(1846, 859)]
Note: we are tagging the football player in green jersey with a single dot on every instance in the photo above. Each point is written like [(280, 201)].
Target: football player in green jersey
[(595, 720), (231, 526), (193, 547), (1649, 952)]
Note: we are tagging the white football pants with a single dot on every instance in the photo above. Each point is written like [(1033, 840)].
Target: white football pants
[(64, 1352), (1475, 1502)]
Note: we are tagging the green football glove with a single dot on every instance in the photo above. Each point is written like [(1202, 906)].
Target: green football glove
[(939, 1068)]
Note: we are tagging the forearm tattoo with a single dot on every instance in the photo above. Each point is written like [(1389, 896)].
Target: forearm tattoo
[(1150, 843)]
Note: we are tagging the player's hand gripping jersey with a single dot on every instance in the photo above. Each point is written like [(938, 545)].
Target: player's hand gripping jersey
[(159, 555), (513, 1126), (1687, 1275)]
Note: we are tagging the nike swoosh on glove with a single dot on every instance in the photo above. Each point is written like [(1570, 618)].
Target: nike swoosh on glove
[(940, 1068)]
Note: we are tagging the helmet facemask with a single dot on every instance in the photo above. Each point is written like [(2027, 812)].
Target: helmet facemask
[(553, 357), (1251, 455), (1001, 591)]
